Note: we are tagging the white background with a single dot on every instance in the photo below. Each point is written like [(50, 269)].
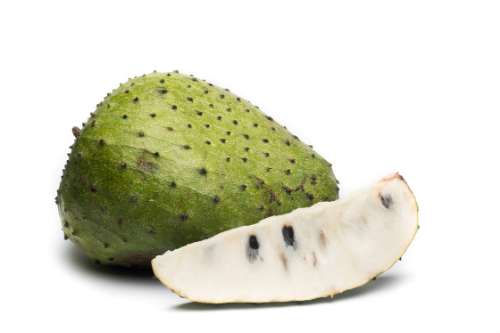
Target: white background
[(376, 87)]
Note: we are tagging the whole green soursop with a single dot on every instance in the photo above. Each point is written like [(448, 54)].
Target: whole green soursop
[(168, 159)]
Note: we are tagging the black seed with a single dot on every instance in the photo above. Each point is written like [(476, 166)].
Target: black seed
[(228, 159), (206, 91), (296, 137), (174, 184), (101, 142), (228, 133), (338, 181), (337, 189), (269, 118), (228, 109), (174, 107), (326, 199), (386, 200), (189, 99), (216, 199), (189, 125), (244, 186), (183, 217), (124, 116), (157, 154), (223, 140), (310, 196), (162, 91), (278, 202), (162, 80), (168, 74), (127, 91), (203, 171), (134, 199), (189, 86), (267, 154), (153, 115), (238, 99), (400, 258), (313, 156), (265, 140), (186, 146), (211, 105), (124, 165), (244, 159), (211, 85), (247, 110), (207, 125), (255, 125), (208, 142), (374, 278), (194, 79), (285, 127), (109, 106), (219, 117), (247, 149), (176, 71), (221, 96), (235, 122), (274, 129), (246, 136), (136, 99), (310, 146), (133, 84), (287, 142), (288, 235), (253, 243), (288, 170), (141, 133), (199, 113), (65, 237), (292, 160), (314, 177), (170, 128)]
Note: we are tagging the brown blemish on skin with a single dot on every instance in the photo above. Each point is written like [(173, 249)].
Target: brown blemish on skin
[(273, 196), (315, 261), (144, 165)]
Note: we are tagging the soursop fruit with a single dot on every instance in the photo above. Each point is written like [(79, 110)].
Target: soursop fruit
[(309, 253), (168, 159)]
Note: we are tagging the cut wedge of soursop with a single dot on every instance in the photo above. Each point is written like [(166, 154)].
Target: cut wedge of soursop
[(309, 253)]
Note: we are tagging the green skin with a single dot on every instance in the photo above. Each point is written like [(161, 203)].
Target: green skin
[(127, 196)]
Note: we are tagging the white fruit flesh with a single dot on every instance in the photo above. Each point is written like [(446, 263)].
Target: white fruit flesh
[(334, 246)]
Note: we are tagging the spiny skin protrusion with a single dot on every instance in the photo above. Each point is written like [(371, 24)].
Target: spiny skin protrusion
[(125, 165), (76, 131)]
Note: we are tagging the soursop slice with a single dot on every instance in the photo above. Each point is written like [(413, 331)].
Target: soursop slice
[(309, 253)]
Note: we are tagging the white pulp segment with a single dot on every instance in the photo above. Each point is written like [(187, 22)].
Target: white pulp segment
[(335, 246)]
